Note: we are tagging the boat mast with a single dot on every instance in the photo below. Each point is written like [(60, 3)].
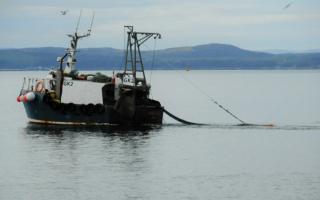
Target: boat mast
[(71, 59), (133, 58)]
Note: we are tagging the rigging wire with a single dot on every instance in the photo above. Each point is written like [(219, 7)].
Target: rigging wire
[(124, 49), (153, 58), (78, 23), (211, 99)]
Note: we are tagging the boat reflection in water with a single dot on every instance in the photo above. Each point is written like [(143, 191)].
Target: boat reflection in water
[(90, 130)]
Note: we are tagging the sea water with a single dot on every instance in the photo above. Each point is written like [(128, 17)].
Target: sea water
[(216, 161)]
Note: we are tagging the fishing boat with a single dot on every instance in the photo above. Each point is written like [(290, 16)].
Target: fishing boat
[(66, 96)]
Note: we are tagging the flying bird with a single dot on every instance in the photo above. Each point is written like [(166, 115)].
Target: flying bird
[(63, 12), (287, 6)]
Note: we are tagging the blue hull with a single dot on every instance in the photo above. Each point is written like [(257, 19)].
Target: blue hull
[(40, 111)]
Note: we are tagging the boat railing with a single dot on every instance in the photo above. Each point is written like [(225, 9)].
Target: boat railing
[(38, 84)]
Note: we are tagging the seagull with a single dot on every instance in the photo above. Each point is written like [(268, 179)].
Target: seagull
[(287, 6), (63, 12)]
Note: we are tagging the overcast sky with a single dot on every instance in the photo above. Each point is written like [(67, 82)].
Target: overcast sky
[(249, 24)]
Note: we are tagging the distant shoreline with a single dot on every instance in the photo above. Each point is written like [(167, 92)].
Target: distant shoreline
[(201, 57), (177, 69)]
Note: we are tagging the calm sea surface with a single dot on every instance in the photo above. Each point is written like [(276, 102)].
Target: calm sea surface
[(217, 161)]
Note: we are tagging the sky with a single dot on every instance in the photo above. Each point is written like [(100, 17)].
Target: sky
[(248, 24)]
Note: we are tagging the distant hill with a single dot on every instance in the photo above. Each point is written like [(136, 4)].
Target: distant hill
[(210, 56), (282, 51), (279, 51)]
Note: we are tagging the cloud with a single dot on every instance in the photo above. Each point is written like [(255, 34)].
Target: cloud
[(180, 22)]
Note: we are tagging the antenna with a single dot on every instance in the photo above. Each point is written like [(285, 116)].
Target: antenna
[(71, 61), (79, 20), (89, 30)]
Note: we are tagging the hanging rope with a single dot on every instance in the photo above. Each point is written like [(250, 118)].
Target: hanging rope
[(179, 119), (243, 123), (211, 99)]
